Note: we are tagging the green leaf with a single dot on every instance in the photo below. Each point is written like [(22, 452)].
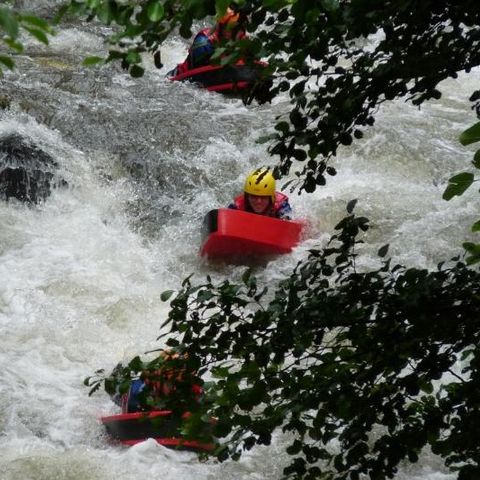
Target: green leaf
[(61, 13), (330, 5), (164, 296), (246, 275), (89, 61), (134, 30), (7, 61), (295, 447), (221, 6), (157, 59), (136, 364), (383, 250), (466, 354), (458, 184), (426, 386), (115, 55), (94, 3), (276, 4), (95, 388), (229, 59), (299, 154), (14, 45), (105, 13), (265, 138), (474, 250), (218, 53), (282, 127), (38, 34), (185, 30), (204, 295), (351, 205), (476, 226), (8, 22), (37, 22), (476, 159), (471, 135), (472, 259), (155, 11), (220, 372), (133, 58), (136, 71)]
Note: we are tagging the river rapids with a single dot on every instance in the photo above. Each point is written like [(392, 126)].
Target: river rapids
[(138, 164)]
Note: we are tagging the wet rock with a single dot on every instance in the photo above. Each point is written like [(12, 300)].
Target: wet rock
[(4, 102), (26, 171)]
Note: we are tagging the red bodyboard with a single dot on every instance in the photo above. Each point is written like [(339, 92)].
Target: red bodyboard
[(161, 425), (220, 78), (230, 233)]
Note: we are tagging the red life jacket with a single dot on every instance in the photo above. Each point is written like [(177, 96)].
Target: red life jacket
[(279, 199)]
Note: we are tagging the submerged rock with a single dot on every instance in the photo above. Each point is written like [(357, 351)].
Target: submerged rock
[(4, 102), (26, 171)]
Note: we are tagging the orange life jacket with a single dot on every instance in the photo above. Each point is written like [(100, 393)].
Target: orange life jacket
[(164, 383)]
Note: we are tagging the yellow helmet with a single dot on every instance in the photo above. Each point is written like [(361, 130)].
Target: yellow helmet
[(261, 182)]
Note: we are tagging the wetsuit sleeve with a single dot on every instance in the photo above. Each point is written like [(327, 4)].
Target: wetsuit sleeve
[(201, 51), (136, 387), (285, 211)]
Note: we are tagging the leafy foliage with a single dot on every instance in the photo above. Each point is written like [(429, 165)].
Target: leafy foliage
[(359, 368), (12, 23), (336, 355), (459, 183)]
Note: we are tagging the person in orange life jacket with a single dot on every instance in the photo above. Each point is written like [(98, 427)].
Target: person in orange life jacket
[(228, 27), (260, 196), (162, 383)]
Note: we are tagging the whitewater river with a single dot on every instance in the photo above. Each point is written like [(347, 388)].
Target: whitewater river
[(81, 274)]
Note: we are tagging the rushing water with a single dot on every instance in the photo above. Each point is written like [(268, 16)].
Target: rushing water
[(81, 274)]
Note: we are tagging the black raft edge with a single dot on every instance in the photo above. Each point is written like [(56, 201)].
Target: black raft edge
[(210, 223)]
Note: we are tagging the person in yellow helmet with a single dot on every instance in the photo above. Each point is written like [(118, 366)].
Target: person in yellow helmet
[(228, 27), (260, 196)]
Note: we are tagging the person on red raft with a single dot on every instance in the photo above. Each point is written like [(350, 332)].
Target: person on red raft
[(170, 387), (228, 27), (260, 196)]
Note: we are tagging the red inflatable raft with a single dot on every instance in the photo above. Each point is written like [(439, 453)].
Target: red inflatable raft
[(161, 425), (235, 233), (217, 78)]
